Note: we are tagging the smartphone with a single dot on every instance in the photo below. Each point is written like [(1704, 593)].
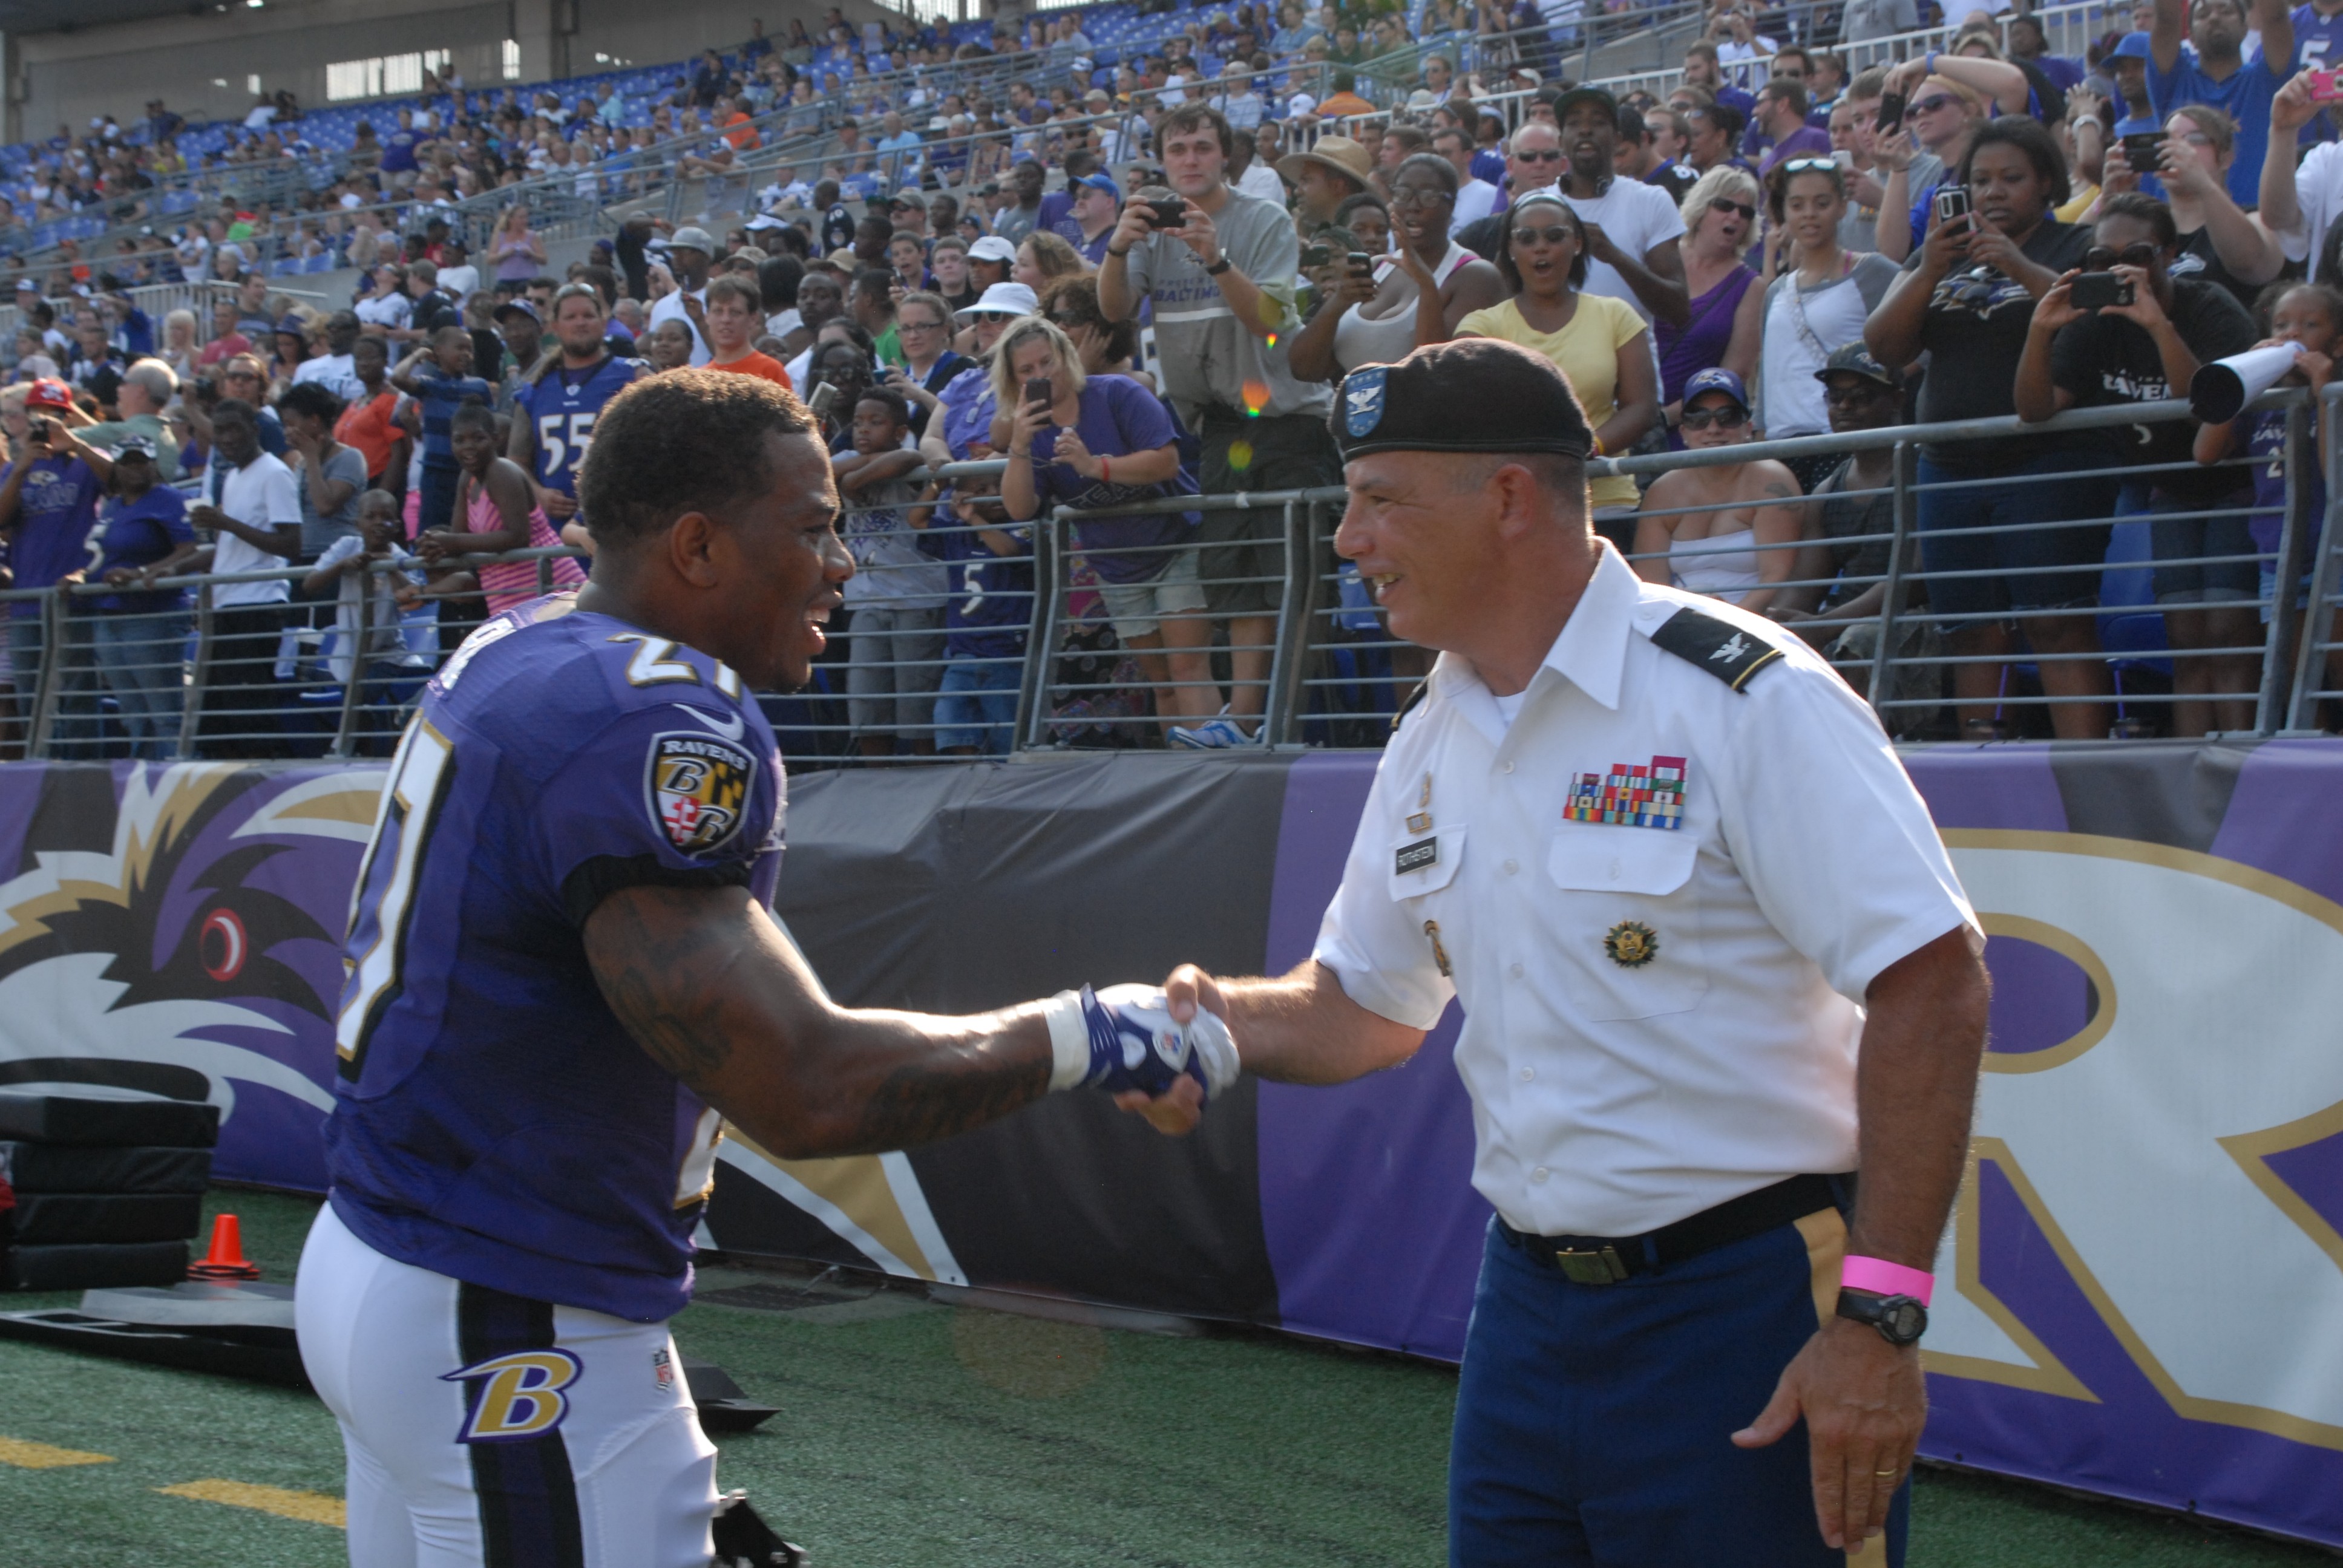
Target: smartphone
[(1952, 202), (2323, 89), (1317, 256), (1361, 264), (1891, 113), (824, 399), (1039, 390), (1167, 212), (2144, 151), (2097, 290)]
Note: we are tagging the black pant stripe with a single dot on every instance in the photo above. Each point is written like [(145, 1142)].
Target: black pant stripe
[(528, 1494)]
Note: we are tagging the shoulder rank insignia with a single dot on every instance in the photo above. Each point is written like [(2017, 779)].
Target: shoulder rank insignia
[(1718, 646), (1412, 698)]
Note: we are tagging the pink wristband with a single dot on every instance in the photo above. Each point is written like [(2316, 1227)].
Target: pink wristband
[(1886, 1279)]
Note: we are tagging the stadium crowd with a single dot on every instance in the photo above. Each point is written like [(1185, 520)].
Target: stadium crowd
[(1136, 276)]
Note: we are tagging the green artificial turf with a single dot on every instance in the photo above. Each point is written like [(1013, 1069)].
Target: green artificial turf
[(914, 1434)]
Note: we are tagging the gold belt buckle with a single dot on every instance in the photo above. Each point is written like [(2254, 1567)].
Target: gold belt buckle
[(1600, 1266)]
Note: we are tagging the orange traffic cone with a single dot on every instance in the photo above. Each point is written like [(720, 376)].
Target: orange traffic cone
[(226, 1259)]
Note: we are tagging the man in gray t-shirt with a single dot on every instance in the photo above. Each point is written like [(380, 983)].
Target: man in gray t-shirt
[(1222, 286)]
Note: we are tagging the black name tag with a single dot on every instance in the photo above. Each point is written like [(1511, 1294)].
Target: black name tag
[(1415, 857)]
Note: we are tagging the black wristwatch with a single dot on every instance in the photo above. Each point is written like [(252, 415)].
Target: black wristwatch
[(1900, 1319), (1218, 267)]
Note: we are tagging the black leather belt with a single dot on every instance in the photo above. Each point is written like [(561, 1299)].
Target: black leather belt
[(1607, 1260)]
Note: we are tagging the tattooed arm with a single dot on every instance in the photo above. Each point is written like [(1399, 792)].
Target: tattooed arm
[(714, 990), (1777, 520)]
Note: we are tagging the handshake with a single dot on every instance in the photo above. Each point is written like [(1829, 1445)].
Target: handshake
[(1124, 1040)]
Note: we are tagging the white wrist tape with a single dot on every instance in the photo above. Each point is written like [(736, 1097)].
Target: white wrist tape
[(1069, 1040)]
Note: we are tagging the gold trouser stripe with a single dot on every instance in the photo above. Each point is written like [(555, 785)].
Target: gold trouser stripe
[(312, 1507)]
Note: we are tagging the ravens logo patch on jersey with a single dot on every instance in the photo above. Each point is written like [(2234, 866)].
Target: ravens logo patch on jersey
[(698, 789)]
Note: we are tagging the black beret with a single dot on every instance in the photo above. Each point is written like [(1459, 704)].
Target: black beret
[(1474, 395)]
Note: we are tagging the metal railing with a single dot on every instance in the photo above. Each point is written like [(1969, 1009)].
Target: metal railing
[(1107, 648)]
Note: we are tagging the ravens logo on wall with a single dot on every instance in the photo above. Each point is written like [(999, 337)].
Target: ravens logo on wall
[(697, 786)]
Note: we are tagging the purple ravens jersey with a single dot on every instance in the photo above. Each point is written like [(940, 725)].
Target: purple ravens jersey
[(561, 407), (493, 1120)]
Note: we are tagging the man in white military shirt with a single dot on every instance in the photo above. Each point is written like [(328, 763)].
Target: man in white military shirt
[(1715, 965)]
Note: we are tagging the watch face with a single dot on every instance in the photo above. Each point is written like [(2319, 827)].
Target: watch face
[(1903, 1319)]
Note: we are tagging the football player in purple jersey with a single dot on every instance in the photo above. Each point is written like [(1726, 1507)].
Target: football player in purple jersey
[(565, 976)]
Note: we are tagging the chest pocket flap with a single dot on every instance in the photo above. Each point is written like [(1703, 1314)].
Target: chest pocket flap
[(1593, 858), (1424, 874)]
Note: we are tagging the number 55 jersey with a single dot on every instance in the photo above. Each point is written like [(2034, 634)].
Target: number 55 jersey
[(493, 1122)]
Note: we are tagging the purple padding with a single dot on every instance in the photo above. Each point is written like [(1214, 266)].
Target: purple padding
[(1366, 1196), (2282, 815), (2005, 787), (2132, 1443)]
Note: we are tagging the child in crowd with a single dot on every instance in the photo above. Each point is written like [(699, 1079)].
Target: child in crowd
[(439, 377), (668, 345), (2310, 315), (990, 564), (370, 614), (897, 593)]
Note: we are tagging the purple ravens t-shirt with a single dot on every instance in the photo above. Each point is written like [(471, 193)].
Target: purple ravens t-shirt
[(1118, 416), (493, 1120), (57, 513)]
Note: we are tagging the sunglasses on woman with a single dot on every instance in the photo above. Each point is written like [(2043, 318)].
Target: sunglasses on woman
[(1931, 104), (1722, 419), (1068, 323), (1810, 166), (1725, 203), (1553, 236), (2099, 258)]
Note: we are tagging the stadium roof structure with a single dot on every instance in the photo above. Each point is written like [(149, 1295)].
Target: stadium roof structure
[(50, 16)]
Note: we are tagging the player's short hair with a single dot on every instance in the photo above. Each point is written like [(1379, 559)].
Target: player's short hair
[(687, 441)]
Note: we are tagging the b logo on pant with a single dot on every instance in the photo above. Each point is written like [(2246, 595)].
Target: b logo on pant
[(522, 1398)]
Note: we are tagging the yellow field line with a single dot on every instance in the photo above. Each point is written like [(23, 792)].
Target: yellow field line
[(26, 1456), (314, 1507)]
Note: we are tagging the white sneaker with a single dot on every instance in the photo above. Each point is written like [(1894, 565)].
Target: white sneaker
[(1213, 734)]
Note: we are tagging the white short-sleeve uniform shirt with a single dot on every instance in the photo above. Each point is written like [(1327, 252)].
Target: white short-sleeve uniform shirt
[(1656, 1018)]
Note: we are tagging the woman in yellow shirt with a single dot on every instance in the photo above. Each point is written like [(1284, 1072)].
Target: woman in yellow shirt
[(1599, 344)]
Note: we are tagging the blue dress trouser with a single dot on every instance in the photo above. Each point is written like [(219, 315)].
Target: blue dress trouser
[(1594, 1422)]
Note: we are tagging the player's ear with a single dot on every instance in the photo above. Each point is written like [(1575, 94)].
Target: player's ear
[(692, 548)]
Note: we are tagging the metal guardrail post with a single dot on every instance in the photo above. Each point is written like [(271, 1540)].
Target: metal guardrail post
[(1279, 723), (2310, 663), (191, 711), (2295, 532), (1905, 508), (53, 660), (1040, 626), (1048, 598)]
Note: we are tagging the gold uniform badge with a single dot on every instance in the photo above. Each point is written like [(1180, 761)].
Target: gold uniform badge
[(1632, 944)]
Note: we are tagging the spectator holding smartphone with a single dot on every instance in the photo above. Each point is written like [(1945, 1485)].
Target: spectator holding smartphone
[(1075, 440), (48, 508), (1378, 313), (1967, 300), (2219, 241), (2142, 349), (1219, 266)]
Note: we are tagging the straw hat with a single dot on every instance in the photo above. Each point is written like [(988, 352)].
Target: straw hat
[(1345, 157)]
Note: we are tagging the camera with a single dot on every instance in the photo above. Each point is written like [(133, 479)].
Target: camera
[(2144, 151), (1167, 212), (1039, 390), (1952, 202), (1317, 256), (2097, 290), (1891, 113), (824, 399), (2323, 89)]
